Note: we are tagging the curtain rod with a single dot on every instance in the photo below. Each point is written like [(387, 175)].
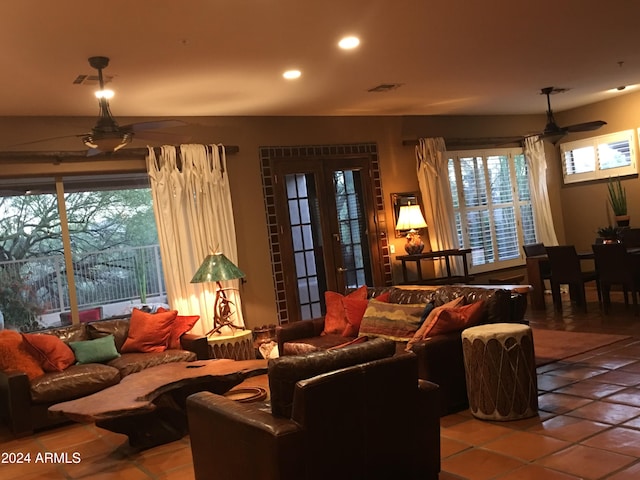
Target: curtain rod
[(485, 141), (81, 155)]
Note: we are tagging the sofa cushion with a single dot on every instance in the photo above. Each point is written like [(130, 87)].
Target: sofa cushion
[(285, 371), (14, 355), (335, 319), (76, 381), (128, 363), (391, 320), (148, 332), (70, 333), (52, 353), (119, 328), (94, 351)]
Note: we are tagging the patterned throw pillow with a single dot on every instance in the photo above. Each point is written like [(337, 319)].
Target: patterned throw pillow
[(395, 321)]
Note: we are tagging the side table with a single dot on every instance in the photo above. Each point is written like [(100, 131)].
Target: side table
[(237, 346)]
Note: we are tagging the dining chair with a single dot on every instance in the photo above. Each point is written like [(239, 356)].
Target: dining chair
[(535, 249), (630, 237), (616, 267), (566, 270)]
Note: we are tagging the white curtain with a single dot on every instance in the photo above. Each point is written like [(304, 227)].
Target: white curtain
[(194, 215), (537, 164), (433, 179)]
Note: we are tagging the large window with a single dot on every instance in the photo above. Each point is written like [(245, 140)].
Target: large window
[(111, 249), (492, 205), (599, 157)]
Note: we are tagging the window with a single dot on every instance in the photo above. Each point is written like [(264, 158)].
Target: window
[(492, 205), (110, 228), (599, 157)]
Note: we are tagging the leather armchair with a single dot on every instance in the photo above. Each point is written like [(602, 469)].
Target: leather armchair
[(353, 417)]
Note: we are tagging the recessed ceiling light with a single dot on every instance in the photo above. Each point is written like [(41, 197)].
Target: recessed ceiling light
[(347, 43), (292, 74)]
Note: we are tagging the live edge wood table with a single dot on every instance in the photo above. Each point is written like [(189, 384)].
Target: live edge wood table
[(446, 254), (149, 406)]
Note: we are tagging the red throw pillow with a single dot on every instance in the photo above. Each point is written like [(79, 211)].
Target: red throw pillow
[(148, 332), (52, 353), (354, 309), (14, 355), (335, 320), (454, 319), (384, 297), (428, 324), (181, 325)]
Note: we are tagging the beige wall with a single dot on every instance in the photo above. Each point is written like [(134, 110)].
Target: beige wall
[(578, 210)]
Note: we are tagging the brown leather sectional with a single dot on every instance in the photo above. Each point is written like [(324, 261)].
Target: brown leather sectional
[(24, 403), (440, 358), (358, 412)]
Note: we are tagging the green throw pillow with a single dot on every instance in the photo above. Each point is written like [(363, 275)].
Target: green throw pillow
[(93, 351)]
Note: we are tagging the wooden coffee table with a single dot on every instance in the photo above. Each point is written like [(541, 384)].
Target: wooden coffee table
[(149, 406)]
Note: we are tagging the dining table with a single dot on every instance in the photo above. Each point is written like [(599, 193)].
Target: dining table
[(535, 266)]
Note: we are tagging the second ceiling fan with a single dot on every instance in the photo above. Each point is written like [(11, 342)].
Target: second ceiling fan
[(552, 131)]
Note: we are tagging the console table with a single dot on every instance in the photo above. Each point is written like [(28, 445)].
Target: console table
[(446, 254)]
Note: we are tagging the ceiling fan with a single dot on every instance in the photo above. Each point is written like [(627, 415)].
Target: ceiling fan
[(107, 136), (552, 131)]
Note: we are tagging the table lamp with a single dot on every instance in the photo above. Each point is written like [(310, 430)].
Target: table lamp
[(410, 218), (216, 268)]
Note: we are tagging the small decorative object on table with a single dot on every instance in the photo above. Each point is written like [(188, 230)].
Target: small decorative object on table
[(618, 202), (411, 219), (609, 234)]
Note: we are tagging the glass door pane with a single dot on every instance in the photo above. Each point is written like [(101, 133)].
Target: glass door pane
[(306, 238)]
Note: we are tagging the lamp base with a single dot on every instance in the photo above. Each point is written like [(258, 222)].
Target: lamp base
[(414, 245)]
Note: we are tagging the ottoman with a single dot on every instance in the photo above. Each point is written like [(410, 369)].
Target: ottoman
[(500, 371)]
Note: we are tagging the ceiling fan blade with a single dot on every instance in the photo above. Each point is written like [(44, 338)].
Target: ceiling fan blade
[(142, 126), (164, 137), (585, 127), (41, 140)]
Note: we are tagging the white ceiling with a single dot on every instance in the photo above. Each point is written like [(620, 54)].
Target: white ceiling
[(226, 57)]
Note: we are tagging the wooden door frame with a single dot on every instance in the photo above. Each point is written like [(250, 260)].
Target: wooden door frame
[(380, 258)]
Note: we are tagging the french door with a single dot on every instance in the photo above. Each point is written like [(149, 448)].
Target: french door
[(327, 229)]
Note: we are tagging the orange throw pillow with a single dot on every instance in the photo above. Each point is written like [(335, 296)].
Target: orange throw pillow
[(447, 318), (149, 332), (14, 355), (181, 325), (53, 354), (354, 309), (335, 320)]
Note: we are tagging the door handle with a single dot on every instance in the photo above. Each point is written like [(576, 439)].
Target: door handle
[(341, 269), (336, 237)]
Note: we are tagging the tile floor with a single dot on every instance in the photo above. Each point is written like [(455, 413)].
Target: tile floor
[(588, 426)]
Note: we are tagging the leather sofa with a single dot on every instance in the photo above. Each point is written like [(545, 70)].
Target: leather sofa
[(359, 412), (440, 358), (24, 403)]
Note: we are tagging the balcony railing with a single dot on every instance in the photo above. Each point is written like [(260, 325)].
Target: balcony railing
[(103, 277)]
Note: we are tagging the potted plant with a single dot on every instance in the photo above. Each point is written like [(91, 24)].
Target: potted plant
[(618, 202), (608, 234)]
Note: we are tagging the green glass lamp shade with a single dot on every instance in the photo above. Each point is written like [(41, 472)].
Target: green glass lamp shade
[(216, 268)]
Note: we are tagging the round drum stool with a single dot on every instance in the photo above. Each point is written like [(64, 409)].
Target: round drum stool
[(500, 368), (237, 346)]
